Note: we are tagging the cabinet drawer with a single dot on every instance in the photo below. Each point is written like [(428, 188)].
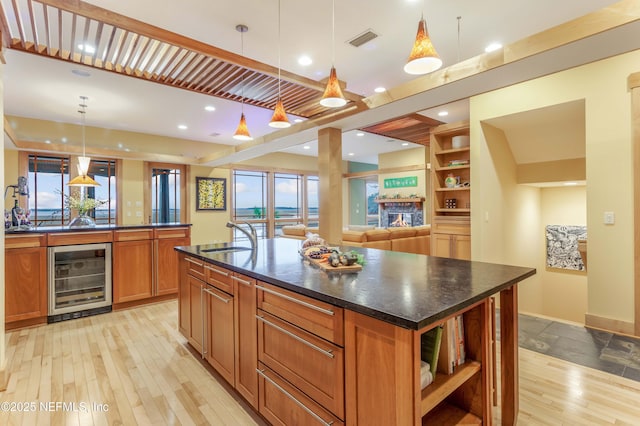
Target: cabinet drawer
[(195, 267), (133, 234), (68, 238), (317, 317), (311, 364), (25, 241), (451, 225), (171, 233), (219, 277), (282, 404)]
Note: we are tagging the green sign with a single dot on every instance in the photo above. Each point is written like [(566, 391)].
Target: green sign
[(401, 182)]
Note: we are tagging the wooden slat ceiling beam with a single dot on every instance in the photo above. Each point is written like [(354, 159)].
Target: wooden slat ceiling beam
[(414, 128), (57, 28)]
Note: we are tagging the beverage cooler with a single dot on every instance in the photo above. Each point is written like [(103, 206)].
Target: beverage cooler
[(79, 281)]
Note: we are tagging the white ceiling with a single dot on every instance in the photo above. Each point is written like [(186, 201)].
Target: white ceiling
[(47, 89)]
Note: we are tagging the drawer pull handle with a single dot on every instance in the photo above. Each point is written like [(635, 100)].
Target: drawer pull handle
[(294, 399), (217, 271), (222, 299), (300, 302), (188, 259), (240, 280), (328, 353)]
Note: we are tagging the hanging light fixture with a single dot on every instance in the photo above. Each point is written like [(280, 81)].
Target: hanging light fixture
[(423, 58), (279, 119), (242, 132), (333, 97), (83, 178)]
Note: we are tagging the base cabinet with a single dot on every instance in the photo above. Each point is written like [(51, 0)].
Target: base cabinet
[(246, 338), (166, 260), (25, 280), (454, 246), (132, 270), (218, 347), (196, 313)]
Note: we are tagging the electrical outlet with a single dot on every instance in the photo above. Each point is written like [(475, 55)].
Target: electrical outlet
[(609, 218)]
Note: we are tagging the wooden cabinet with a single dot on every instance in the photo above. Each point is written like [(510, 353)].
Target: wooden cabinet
[(218, 345), (184, 302), (383, 374), (166, 259), (451, 192), (451, 237), (25, 279), (283, 404), (132, 270), (145, 264), (196, 313), (300, 340), (246, 337)]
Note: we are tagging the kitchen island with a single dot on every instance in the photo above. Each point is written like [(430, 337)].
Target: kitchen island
[(300, 343)]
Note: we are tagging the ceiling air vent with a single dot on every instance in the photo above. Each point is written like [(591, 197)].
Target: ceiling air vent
[(363, 38)]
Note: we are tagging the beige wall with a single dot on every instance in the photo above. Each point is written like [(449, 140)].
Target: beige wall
[(283, 160), (133, 192), (209, 226), (564, 292), (3, 360), (10, 175), (608, 154)]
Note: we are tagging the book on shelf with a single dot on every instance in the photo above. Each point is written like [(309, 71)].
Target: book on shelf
[(430, 343), (452, 352)]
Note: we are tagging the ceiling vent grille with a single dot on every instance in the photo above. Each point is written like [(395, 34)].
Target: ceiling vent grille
[(363, 38)]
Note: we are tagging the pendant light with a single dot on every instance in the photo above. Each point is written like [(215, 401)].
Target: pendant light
[(333, 97), (279, 119), (242, 132), (83, 179), (423, 58)]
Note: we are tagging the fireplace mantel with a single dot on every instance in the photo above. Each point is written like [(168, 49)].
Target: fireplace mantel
[(416, 200)]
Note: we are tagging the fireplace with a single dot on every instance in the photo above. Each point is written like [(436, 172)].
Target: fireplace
[(400, 219)]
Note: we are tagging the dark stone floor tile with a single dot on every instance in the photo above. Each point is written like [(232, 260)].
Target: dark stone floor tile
[(624, 343), (632, 373), (616, 356), (537, 344), (532, 325), (579, 333), (565, 348)]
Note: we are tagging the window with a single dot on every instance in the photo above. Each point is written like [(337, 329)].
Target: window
[(270, 200), (372, 206), (48, 178), (250, 201), (167, 193)]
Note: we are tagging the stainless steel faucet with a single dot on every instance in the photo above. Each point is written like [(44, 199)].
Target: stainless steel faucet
[(253, 235)]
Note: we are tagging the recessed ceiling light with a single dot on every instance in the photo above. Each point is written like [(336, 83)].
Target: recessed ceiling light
[(120, 145), (182, 127), (127, 150), (304, 60), (81, 73), (570, 183), (87, 48), (443, 113), (298, 120), (359, 134), (379, 89), (306, 147), (492, 46), (351, 154), (64, 140), (47, 141), (210, 108), (405, 143)]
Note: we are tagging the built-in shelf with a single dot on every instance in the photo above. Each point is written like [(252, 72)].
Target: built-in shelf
[(457, 188), (453, 210), (450, 168), (444, 384), (453, 151)]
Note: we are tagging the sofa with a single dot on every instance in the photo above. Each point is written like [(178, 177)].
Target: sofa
[(415, 239)]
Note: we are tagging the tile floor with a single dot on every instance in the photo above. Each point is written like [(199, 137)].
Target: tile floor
[(604, 351)]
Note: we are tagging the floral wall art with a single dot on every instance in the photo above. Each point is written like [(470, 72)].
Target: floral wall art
[(562, 246)]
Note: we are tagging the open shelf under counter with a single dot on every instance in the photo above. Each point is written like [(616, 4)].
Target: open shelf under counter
[(448, 414), (445, 384)]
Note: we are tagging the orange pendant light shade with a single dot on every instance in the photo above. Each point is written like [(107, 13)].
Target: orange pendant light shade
[(83, 180), (279, 119), (423, 58), (242, 132), (333, 97)]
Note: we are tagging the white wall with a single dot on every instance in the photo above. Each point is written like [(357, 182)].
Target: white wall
[(3, 360)]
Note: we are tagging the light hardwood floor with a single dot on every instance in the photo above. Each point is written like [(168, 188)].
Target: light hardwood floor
[(137, 363)]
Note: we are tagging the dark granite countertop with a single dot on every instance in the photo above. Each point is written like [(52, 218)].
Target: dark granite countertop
[(408, 290), (50, 229)]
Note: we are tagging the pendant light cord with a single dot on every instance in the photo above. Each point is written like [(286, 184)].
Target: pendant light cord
[(333, 34), (279, 77), (242, 30), (83, 111), (459, 18)]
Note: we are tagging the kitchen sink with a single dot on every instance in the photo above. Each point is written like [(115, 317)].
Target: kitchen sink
[(224, 249)]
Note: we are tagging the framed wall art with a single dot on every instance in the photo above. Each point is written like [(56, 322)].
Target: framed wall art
[(211, 193)]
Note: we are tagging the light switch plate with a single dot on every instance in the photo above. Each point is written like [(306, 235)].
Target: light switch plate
[(609, 218)]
